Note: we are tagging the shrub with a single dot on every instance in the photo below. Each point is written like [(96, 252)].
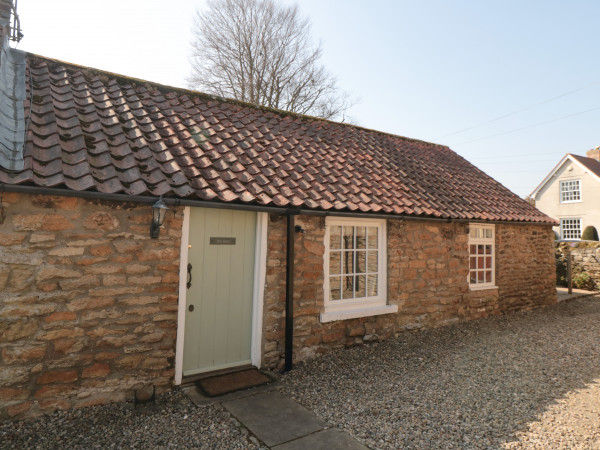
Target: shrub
[(583, 281), (589, 234)]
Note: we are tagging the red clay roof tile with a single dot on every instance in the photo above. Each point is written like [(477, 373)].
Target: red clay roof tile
[(90, 130)]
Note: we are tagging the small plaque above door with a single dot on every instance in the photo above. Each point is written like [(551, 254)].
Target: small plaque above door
[(222, 241)]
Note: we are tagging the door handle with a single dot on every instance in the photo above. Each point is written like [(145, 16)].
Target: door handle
[(189, 274)]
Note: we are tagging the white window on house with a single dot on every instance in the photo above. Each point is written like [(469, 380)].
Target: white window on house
[(481, 256), (355, 269), (570, 228), (570, 191)]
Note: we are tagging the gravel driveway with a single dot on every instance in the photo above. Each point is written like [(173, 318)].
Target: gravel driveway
[(527, 380)]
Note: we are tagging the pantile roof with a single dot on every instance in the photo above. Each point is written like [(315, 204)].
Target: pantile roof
[(90, 130)]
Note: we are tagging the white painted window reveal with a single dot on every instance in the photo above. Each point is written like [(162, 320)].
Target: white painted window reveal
[(355, 269), (570, 191), (481, 256), (570, 228)]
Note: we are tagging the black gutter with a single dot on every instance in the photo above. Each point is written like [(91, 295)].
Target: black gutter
[(236, 206), (289, 293)]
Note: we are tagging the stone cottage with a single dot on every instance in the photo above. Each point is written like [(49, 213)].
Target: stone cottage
[(285, 237)]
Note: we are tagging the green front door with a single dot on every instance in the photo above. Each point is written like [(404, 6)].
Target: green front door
[(218, 325)]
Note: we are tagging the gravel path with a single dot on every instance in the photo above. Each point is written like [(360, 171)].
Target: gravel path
[(527, 380), (174, 423)]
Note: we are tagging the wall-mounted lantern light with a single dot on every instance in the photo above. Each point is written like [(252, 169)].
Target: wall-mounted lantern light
[(159, 211)]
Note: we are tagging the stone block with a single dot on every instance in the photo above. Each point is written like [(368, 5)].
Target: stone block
[(47, 273), (61, 316), (153, 337), (141, 300), (129, 361), (106, 356), (66, 251), (101, 250), (57, 222), (15, 330), (101, 220), (50, 405), (90, 303), (11, 376), (58, 377), (116, 341), (23, 354), (54, 390), (14, 393), (55, 202), (18, 408), (97, 332), (69, 345), (97, 370), (61, 333), (137, 268), (121, 259), (7, 239), (76, 360), (27, 222), (144, 280), (86, 281), (128, 246), (114, 280), (165, 254), (358, 330), (113, 291)]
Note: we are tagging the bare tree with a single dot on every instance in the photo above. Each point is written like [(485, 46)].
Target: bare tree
[(260, 52)]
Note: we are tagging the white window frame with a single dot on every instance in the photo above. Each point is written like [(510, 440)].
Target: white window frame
[(562, 228), (569, 191), (482, 241), (364, 306)]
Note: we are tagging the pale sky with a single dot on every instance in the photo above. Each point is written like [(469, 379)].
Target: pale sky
[(423, 69)]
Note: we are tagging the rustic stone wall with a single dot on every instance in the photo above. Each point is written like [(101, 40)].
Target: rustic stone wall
[(427, 279), (586, 257), (88, 302)]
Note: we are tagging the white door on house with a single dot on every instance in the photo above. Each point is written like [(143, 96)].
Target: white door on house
[(218, 325)]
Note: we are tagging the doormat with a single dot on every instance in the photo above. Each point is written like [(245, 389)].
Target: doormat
[(231, 382)]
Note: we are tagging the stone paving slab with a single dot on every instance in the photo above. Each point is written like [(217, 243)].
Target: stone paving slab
[(274, 418), (563, 294), (330, 439)]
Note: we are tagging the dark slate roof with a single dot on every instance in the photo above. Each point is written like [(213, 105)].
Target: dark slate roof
[(12, 95), (95, 131), (591, 164)]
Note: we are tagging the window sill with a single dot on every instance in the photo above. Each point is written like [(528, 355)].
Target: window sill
[(356, 313), (481, 288)]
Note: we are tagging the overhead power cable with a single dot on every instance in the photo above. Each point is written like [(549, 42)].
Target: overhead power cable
[(528, 126), (543, 102)]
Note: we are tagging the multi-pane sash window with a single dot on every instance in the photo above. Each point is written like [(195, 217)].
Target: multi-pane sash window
[(570, 191), (481, 255), (570, 228), (353, 262)]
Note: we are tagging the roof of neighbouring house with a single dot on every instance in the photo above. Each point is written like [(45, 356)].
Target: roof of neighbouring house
[(590, 165), (89, 130)]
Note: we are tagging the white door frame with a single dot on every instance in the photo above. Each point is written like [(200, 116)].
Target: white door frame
[(260, 265)]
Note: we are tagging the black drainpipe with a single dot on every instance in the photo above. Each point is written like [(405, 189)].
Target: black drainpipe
[(289, 293)]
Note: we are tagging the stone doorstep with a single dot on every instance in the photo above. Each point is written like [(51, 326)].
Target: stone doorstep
[(323, 440), (281, 423), (200, 400), (278, 421)]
